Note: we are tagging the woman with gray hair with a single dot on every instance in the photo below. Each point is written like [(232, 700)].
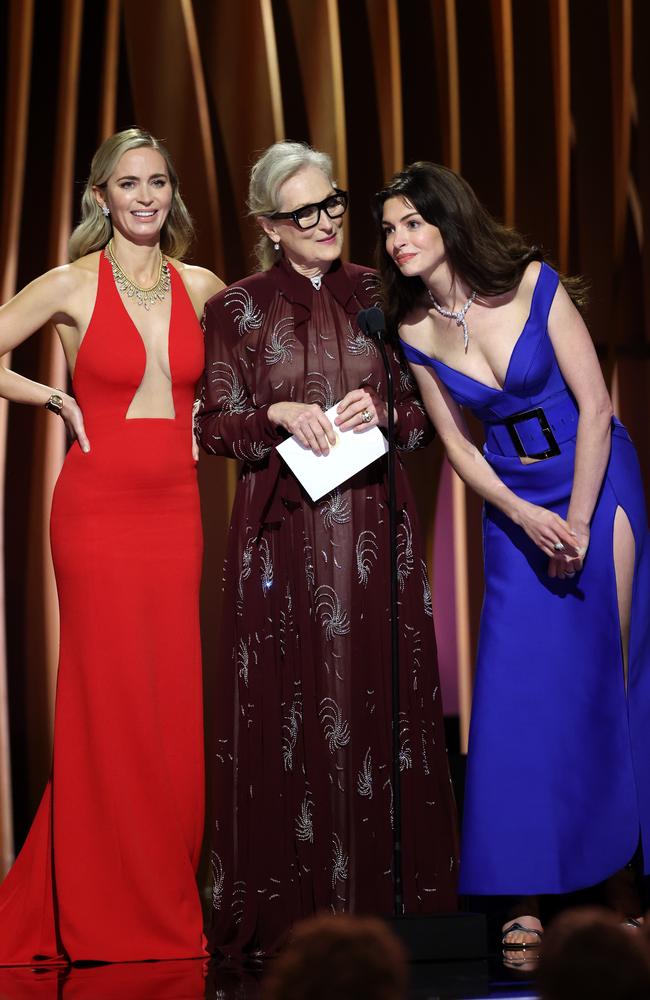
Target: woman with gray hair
[(302, 796)]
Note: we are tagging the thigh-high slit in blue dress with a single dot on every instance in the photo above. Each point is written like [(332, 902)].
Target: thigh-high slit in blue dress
[(558, 781)]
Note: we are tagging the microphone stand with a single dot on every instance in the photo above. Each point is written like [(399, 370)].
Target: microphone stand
[(428, 937), (398, 892)]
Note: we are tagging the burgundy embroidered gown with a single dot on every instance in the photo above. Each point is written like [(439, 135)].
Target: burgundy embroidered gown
[(303, 734)]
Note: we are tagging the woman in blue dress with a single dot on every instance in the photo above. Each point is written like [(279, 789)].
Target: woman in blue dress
[(557, 795)]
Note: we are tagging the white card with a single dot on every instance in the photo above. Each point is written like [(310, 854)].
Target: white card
[(319, 474)]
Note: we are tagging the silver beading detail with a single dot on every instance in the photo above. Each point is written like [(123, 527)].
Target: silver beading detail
[(458, 315)]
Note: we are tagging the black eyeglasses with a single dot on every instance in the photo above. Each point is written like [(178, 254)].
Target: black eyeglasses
[(334, 206)]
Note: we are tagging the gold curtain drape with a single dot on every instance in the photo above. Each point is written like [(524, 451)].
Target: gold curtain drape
[(544, 107)]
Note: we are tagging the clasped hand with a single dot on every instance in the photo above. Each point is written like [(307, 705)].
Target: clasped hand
[(565, 546), (359, 410)]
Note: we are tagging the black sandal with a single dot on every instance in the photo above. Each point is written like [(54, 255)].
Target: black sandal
[(520, 945)]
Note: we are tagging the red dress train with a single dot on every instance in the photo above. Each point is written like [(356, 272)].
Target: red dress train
[(108, 869)]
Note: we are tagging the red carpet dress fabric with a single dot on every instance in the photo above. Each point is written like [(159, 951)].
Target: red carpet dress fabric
[(303, 798), (108, 869)]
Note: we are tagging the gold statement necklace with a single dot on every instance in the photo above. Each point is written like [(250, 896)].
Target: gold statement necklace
[(143, 296)]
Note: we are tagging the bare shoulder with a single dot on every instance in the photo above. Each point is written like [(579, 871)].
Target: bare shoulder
[(563, 310), (88, 264), (83, 271), (63, 282), (200, 282), (529, 279)]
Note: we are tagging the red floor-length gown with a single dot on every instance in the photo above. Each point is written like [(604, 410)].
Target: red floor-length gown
[(108, 869)]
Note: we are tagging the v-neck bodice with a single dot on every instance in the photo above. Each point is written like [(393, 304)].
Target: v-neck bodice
[(532, 375), (112, 358)]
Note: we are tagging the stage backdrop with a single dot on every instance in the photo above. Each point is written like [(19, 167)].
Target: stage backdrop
[(544, 106)]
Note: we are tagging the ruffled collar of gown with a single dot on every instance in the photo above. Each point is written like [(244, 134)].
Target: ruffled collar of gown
[(299, 290)]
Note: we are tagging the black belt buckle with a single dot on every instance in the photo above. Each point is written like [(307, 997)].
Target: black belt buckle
[(538, 414)]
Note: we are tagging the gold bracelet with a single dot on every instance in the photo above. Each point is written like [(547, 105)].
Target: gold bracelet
[(55, 403)]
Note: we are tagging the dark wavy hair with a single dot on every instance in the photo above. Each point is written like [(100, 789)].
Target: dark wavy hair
[(489, 256)]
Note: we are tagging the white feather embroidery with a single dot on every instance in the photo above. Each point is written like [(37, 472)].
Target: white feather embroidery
[(309, 565), (318, 390), (339, 861), (245, 572), (238, 901), (404, 551), (247, 314), (278, 350), (358, 344), (242, 661), (367, 553), (426, 589), (290, 728), (364, 777), (405, 758), (305, 821), (333, 618), (336, 729), (416, 435), (287, 629), (218, 879), (372, 287), (267, 566), (230, 391), (253, 451), (336, 509), (406, 382)]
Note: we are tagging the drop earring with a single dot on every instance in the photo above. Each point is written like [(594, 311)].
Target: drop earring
[(276, 246), (106, 210)]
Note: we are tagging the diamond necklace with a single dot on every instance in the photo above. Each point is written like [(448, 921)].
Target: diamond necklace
[(143, 296), (458, 315)]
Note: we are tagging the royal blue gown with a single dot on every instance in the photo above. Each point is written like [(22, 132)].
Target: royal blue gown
[(558, 781)]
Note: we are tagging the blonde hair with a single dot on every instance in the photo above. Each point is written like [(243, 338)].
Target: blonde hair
[(95, 229), (269, 172)]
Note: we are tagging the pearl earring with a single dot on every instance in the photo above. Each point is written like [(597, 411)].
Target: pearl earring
[(106, 210), (276, 246)]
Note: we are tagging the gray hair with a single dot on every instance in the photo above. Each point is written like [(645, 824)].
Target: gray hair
[(269, 172)]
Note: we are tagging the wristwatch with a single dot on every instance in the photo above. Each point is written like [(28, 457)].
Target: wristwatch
[(55, 403)]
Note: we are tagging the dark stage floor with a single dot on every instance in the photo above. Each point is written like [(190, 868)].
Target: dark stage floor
[(195, 981)]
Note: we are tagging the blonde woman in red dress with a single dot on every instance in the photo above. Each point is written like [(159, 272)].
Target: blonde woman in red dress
[(108, 869)]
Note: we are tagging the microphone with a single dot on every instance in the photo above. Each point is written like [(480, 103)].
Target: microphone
[(372, 322)]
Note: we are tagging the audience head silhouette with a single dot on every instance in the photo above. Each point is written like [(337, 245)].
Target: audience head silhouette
[(588, 953), (350, 958)]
